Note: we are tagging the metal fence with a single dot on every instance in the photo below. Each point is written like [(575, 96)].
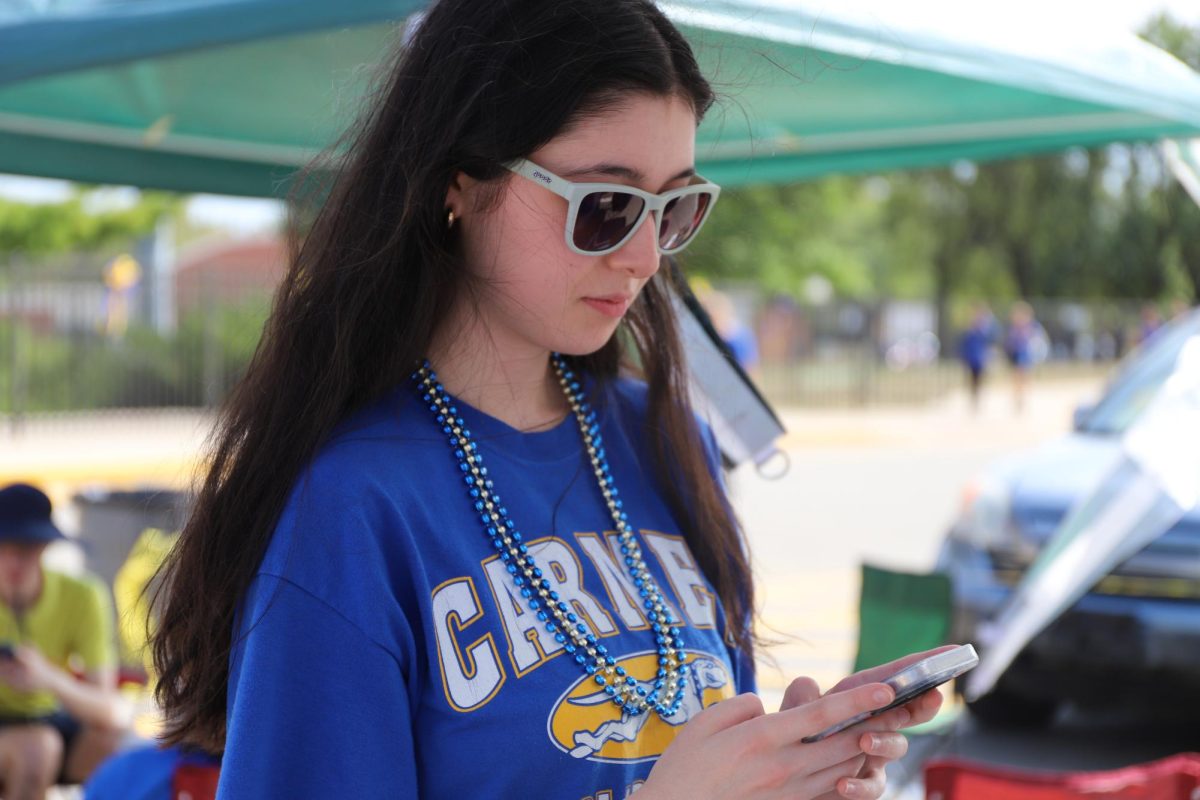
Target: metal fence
[(74, 339), (71, 340)]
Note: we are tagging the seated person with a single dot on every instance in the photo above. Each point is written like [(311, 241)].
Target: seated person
[(55, 727), (135, 587)]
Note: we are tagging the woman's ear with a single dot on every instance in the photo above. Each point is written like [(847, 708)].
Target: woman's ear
[(460, 196)]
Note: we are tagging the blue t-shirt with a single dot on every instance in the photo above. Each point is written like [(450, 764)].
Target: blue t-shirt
[(976, 344), (1022, 342), (384, 651)]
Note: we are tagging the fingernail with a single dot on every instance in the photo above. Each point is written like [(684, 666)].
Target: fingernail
[(853, 789), (903, 717), (872, 743), (882, 696)]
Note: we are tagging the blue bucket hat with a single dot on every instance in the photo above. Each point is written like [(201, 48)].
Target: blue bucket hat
[(25, 516)]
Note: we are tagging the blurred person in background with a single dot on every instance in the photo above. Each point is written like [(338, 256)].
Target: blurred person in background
[(738, 336), (783, 334), (60, 713), (975, 350), (1025, 344), (1151, 321)]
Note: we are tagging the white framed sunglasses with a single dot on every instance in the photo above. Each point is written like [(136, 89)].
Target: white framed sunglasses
[(603, 216)]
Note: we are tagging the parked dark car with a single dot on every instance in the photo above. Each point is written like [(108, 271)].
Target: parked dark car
[(1135, 637)]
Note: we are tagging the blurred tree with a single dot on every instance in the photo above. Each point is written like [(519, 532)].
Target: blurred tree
[(778, 237), (1178, 39), (34, 230)]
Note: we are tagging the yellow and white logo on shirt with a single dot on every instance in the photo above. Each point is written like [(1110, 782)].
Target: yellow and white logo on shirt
[(585, 723)]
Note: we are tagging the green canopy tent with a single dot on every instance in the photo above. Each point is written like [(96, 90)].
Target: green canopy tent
[(231, 96)]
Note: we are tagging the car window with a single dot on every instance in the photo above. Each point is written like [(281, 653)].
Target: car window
[(1140, 378)]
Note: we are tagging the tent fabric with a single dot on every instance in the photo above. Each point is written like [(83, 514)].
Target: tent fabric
[(233, 96)]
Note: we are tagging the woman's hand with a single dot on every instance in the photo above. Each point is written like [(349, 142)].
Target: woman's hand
[(920, 710), (876, 737), (29, 671), (734, 749), (881, 746)]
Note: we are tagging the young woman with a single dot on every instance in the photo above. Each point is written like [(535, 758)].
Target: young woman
[(447, 546)]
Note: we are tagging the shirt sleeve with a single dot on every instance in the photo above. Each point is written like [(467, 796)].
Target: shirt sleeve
[(95, 641), (317, 709)]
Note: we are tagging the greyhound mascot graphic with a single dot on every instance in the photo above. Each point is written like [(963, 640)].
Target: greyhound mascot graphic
[(706, 673)]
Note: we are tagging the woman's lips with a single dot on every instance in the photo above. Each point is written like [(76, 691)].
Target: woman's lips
[(613, 306)]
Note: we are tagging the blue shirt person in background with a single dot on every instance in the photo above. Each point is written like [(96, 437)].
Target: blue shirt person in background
[(462, 534), (1025, 345), (975, 350), (1149, 323), (737, 335)]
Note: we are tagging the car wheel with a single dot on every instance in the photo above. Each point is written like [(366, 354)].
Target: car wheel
[(1003, 709)]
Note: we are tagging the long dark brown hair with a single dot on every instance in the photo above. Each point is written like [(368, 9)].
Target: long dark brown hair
[(473, 85)]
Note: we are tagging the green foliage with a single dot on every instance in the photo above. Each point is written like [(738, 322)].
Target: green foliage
[(779, 237), (1179, 40), (38, 230), (195, 366)]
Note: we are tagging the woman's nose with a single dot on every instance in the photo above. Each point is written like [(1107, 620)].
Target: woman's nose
[(639, 256)]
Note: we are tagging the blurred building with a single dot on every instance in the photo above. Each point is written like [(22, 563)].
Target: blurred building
[(224, 272)]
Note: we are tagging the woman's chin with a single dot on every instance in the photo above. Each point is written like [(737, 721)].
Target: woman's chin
[(585, 344)]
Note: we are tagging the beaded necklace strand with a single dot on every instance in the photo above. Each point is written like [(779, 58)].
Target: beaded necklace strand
[(665, 692)]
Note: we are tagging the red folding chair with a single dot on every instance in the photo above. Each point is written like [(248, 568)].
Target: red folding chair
[(1174, 778)]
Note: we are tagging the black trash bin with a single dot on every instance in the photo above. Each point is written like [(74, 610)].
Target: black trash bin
[(110, 522)]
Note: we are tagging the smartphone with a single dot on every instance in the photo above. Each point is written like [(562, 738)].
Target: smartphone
[(912, 682)]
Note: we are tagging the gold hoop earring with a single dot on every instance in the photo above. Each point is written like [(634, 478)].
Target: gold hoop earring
[(450, 219)]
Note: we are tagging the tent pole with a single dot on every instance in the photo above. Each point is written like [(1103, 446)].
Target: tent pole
[(1186, 171)]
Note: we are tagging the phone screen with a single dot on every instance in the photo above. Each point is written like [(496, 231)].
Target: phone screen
[(912, 682)]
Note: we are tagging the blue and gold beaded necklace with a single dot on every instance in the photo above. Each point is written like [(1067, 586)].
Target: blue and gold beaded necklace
[(664, 694)]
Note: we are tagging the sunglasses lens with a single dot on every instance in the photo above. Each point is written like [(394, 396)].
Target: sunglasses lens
[(680, 219), (604, 219)]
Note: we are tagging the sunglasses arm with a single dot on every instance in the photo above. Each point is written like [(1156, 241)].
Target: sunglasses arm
[(544, 177)]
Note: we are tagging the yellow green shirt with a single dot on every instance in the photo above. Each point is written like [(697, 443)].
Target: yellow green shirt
[(71, 624)]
